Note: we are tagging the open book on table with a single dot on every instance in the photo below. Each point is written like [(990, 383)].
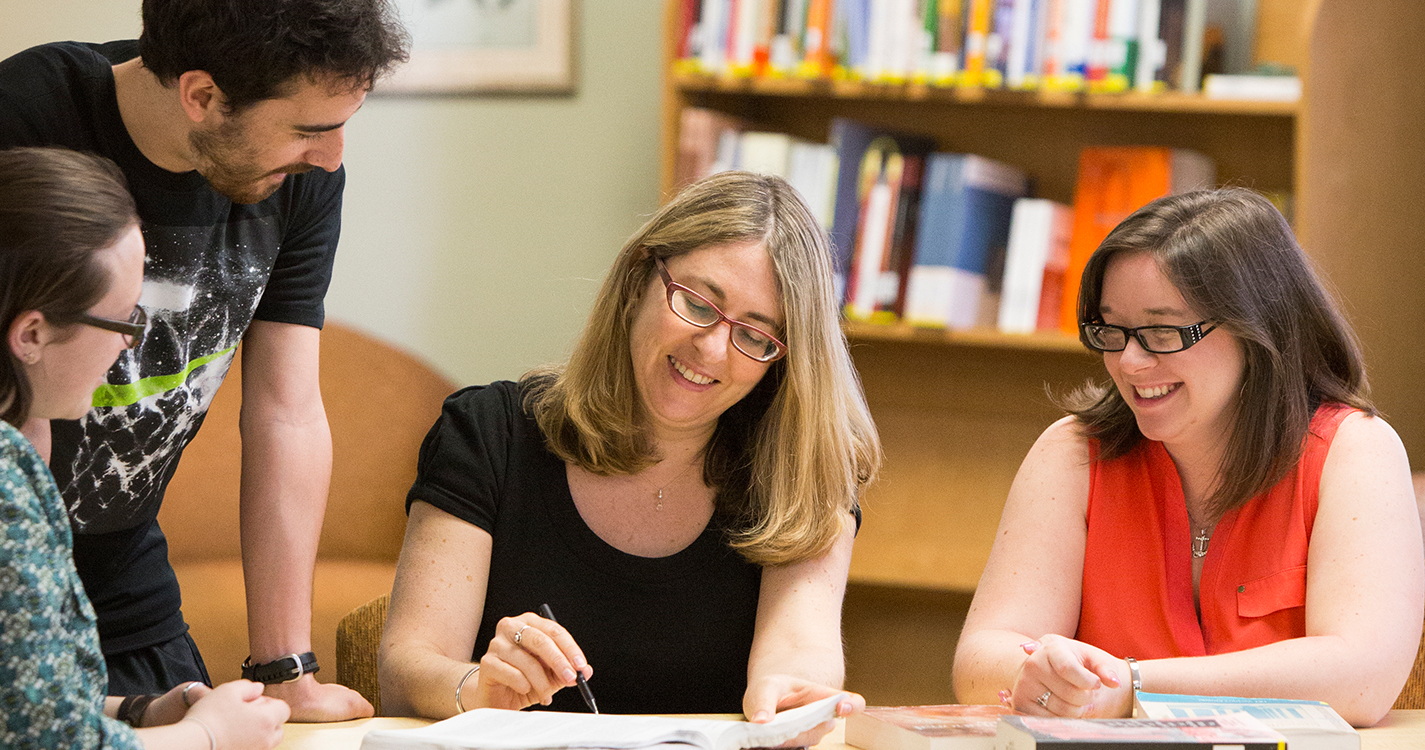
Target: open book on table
[(497, 729)]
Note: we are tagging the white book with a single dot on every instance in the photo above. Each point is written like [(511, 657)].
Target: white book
[(811, 170), (1152, 50), (1036, 227), (1307, 725), (498, 729), (1252, 87), (712, 25), (764, 153)]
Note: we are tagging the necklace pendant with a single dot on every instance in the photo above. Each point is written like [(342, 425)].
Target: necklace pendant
[(1199, 544), (659, 506)]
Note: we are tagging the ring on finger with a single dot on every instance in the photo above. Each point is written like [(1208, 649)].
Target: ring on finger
[(519, 633), (186, 688), (1043, 700)]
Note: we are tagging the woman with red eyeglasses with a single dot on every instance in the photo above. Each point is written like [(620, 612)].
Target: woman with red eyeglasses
[(1228, 515), (71, 270), (683, 492)]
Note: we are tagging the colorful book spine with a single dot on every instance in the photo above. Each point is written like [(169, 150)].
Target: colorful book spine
[(880, 173), (966, 204)]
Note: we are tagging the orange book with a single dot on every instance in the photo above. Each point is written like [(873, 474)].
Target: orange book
[(1115, 181), (976, 38), (816, 62)]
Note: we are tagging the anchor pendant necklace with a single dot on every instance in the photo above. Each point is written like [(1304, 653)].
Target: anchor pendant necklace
[(1199, 543)]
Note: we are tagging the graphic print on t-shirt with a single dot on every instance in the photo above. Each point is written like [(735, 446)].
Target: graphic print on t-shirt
[(201, 286)]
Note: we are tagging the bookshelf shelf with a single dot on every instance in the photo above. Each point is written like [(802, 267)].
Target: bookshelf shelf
[(959, 411), (975, 337), (690, 83)]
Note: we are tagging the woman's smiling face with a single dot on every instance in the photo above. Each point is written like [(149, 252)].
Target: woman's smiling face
[(688, 376), (1177, 398)]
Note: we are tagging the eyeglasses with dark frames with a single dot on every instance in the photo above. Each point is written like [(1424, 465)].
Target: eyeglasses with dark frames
[(132, 329), (694, 308), (1156, 339)]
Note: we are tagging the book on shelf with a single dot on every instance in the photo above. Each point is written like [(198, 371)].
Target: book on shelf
[(1152, 51), (812, 171), (1172, 20), (1264, 88), (890, 180), (850, 139), (1024, 49), (1038, 232), (944, 727), (963, 228), (1238, 731), (1106, 46), (949, 41), (1113, 182), (707, 143), (1194, 23), (1307, 725), (498, 729), (764, 152)]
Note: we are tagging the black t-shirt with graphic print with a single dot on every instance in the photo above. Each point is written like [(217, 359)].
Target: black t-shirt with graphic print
[(213, 266)]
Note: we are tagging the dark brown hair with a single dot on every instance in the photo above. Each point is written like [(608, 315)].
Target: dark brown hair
[(1236, 262), (57, 209), (255, 49)]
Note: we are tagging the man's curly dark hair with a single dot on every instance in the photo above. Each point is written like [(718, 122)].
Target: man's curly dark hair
[(257, 49)]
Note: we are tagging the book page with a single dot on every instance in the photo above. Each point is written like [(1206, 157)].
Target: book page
[(498, 729)]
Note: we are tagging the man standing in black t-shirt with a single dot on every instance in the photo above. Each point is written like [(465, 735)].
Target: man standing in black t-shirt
[(227, 119)]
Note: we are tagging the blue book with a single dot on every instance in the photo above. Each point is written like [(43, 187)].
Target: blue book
[(965, 209), (850, 139), (1307, 725)]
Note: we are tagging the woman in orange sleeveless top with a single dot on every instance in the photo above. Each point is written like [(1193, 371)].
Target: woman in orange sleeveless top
[(1228, 516)]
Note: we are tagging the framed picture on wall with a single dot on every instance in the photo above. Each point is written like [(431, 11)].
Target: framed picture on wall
[(486, 47)]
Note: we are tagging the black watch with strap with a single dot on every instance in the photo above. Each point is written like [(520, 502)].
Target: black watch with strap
[(289, 668)]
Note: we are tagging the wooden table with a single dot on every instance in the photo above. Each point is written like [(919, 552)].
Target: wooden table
[(1401, 730)]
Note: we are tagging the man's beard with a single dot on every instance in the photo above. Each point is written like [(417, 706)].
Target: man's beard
[(228, 163)]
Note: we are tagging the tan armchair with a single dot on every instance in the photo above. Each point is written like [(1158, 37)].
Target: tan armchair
[(380, 402)]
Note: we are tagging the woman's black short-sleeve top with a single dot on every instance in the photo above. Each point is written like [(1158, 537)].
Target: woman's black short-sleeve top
[(664, 635)]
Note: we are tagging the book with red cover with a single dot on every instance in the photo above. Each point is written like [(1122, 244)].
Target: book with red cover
[(944, 727)]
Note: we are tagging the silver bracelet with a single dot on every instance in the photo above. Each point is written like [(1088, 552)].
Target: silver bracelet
[(1135, 676), (460, 707), (212, 739)]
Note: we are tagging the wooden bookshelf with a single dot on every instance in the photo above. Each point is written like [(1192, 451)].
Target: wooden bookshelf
[(958, 411)]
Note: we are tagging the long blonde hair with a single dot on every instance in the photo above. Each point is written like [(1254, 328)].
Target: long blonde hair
[(788, 461)]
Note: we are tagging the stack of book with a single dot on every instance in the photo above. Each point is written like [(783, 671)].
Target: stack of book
[(1094, 45), (1159, 721), (939, 239)]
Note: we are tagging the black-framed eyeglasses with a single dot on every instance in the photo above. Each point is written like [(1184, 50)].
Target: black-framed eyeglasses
[(132, 329), (1157, 339), (694, 308)]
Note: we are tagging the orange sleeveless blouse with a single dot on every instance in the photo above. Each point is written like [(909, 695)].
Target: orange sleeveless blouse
[(1137, 587)]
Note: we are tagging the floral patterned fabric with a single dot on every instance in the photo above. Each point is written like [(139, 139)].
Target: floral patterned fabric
[(52, 676)]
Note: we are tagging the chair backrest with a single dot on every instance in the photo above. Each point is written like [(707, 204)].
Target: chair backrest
[(1413, 695), (380, 401), (357, 637)]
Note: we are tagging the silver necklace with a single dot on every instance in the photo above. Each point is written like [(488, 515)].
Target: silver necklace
[(659, 494), (1200, 542)]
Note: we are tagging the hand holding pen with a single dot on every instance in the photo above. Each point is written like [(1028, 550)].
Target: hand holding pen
[(583, 685), (529, 660)]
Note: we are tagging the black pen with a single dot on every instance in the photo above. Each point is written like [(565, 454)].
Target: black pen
[(548, 614)]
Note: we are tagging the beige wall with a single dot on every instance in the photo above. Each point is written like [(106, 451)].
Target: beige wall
[(476, 230)]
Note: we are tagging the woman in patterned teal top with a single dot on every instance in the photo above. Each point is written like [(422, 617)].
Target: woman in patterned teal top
[(71, 270)]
